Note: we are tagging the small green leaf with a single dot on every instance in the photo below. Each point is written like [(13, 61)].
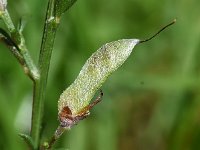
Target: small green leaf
[(28, 140), (61, 6), (21, 25)]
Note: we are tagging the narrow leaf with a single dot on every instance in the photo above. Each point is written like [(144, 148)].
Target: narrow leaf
[(62, 6), (28, 140)]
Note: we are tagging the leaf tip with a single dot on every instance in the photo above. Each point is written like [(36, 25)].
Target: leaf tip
[(166, 26)]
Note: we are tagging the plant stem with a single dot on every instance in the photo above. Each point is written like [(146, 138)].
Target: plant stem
[(59, 131), (54, 10), (7, 20), (29, 67), (52, 22), (44, 61)]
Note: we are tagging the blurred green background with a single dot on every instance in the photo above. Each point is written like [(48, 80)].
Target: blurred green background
[(151, 103)]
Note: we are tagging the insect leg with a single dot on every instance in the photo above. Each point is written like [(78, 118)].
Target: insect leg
[(71, 120), (97, 100), (85, 111)]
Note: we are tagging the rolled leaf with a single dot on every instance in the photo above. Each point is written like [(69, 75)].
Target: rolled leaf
[(93, 74)]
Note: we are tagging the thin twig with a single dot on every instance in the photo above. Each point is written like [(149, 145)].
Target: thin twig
[(6, 39), (49, 33), (59, 131), (18, 42)]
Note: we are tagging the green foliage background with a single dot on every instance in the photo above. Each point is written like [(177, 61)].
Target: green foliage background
[(151, 103)]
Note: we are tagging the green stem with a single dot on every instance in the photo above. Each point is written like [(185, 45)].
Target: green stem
[(44, 61), (54, 11), (7, 20), (51, 24), (59, 131), (29, 67), (6, 39)]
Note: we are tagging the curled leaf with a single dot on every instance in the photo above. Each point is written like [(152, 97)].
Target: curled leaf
[(75, 99), (95, 71)]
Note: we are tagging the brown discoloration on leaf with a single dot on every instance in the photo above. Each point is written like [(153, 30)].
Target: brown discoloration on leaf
[(68, 119)]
